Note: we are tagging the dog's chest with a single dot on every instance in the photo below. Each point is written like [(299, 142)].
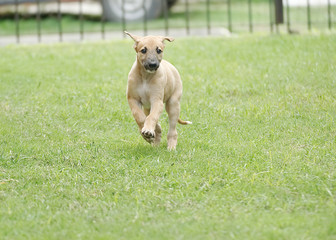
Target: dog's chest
[(143, 91)]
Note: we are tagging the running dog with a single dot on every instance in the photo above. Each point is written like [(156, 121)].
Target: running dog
[(153, 82)]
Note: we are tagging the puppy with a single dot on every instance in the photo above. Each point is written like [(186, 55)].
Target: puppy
[(153, 82)]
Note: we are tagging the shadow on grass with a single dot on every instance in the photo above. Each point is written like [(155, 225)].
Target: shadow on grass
[(142, 152)]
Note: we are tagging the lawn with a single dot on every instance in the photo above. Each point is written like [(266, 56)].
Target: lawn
[(259, 161)]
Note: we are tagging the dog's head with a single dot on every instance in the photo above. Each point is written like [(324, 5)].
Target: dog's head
[(149, 50)]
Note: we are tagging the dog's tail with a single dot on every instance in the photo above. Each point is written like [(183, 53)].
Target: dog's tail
[(184, 122)]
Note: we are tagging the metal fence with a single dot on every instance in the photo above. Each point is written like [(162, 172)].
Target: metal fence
[(30, 21)]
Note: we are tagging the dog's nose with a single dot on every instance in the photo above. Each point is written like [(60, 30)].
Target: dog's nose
[(153, 65)]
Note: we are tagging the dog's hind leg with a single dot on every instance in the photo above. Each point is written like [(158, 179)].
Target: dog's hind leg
[(158, 134), (173, 110)]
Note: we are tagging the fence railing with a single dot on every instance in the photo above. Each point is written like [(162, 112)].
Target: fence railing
[(35, 21)]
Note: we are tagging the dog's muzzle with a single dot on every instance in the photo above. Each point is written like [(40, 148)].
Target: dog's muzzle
[(151, 66)]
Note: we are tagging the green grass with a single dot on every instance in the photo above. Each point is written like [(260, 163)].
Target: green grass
[(177, 19), (259, 161)]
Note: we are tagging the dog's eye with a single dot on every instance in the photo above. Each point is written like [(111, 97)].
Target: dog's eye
[(144, 50), (158, 50)]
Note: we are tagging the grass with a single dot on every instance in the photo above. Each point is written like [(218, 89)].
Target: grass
[(177, 19), (257, 163)]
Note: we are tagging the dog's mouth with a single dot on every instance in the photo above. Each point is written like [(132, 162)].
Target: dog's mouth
[(150, 71)]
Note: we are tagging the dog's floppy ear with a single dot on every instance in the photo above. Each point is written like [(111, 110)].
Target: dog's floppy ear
[(170, 39), (135, 38)]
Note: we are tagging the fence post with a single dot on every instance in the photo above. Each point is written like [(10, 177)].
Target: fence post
[(308, 15), (187, 17), (229, 15), (123, 18), (250, 15), (208, 16), (165, 14), (279, 12), (271, 14), (102, 22), (59, 18), (288, 17), (329, 15), (38, 20), (17, 22), (145, 17), (81, 23)]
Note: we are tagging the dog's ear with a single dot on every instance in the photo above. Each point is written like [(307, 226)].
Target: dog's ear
[(135, 38), (170, 39)]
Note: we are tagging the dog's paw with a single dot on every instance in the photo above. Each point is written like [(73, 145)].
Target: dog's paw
[(172, 142), (149, 140), (171, 148), (148, 135)]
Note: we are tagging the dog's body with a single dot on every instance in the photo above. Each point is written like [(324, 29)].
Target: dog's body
[(151, 83)]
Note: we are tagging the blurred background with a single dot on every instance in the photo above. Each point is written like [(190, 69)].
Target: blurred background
[(34, 21)]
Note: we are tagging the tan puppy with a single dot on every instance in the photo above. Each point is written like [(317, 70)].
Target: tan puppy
[(152, 82)]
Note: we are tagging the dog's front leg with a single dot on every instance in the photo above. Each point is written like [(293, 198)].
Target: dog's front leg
[(139, 116), (148, 131), (137, 112)]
